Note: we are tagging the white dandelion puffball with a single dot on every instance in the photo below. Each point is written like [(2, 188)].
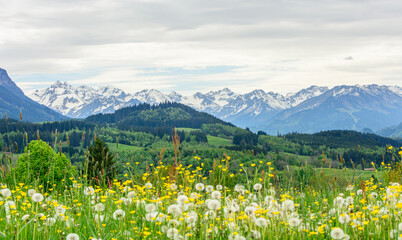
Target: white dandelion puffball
[(209, 188), (172, 232), (210, 214), (338, 202), (188, 206), (400, 227), (149, 208), (337, 233), (174, 209), (359, 192), (37, 197), (25, 217), (6, 192), (344, 218), (99, 218), (89, 191), (199, 187), (131, 194), (194, 195), (151, 216), (173, 186), (349, 188), (72, 236), (192, 217), (294, 222), (60, 210), (250, 211), (256, 234), (288, 205), (100, 207), (349, 200), (219, 187), (182, 199), (148, 185), (239, 188), (214, 204), (119, 214), (261, 222), (257, 186), (216, 195), (31, 192)]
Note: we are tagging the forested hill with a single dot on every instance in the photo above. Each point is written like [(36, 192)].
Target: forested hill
[(341, 139), (161, 115)]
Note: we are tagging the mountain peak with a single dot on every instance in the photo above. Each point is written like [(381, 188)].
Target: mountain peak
[(59, 84), (14, 102), (4, 78), (6, 82)]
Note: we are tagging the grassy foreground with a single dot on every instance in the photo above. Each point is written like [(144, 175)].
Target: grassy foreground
[(174, 202)]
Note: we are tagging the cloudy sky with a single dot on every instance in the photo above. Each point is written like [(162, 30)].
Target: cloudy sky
[(188, 46)]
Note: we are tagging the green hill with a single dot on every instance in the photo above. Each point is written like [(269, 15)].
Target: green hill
[(161, 115), (341, 139)]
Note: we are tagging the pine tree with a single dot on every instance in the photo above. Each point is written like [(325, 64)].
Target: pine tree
[(100, 164)]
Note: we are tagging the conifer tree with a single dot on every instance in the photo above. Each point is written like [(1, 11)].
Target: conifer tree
[(100, 164)]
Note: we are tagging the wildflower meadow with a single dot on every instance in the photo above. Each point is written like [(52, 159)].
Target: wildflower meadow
[(176, 202)]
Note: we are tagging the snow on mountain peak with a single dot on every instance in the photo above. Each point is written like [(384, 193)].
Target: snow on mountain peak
[(84, 101)]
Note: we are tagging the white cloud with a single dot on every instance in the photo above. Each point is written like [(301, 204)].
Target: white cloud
[(276, 45)]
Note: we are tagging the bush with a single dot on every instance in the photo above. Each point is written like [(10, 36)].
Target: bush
[(40, 165)]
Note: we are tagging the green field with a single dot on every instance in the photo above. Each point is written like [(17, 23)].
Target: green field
[(187, 129), (217, 141), (212, 140), (122, 147), (347, 172)]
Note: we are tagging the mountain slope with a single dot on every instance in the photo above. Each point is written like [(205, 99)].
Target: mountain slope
[(309, 110), (13, 101), (342, 107), (392, 131), (84, 101)]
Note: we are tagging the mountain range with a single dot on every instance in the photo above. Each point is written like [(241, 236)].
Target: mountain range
[(309, 110), (13, 102)]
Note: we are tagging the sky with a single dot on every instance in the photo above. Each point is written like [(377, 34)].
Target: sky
[(188, 46)]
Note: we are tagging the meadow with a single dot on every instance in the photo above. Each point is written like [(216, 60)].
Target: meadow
[(175, 201), (201, 181)]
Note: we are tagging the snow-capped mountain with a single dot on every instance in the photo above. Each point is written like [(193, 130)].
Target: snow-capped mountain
[(82, 101), (343, 107), (258, 110)]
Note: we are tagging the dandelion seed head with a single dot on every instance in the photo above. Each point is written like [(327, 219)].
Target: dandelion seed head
[(72, 236), (37, 197)]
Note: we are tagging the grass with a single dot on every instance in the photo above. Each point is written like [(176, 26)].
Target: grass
[(228, 201), (346, 173), (217, 141), (187, 129), (122, 147), (178, 203)]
